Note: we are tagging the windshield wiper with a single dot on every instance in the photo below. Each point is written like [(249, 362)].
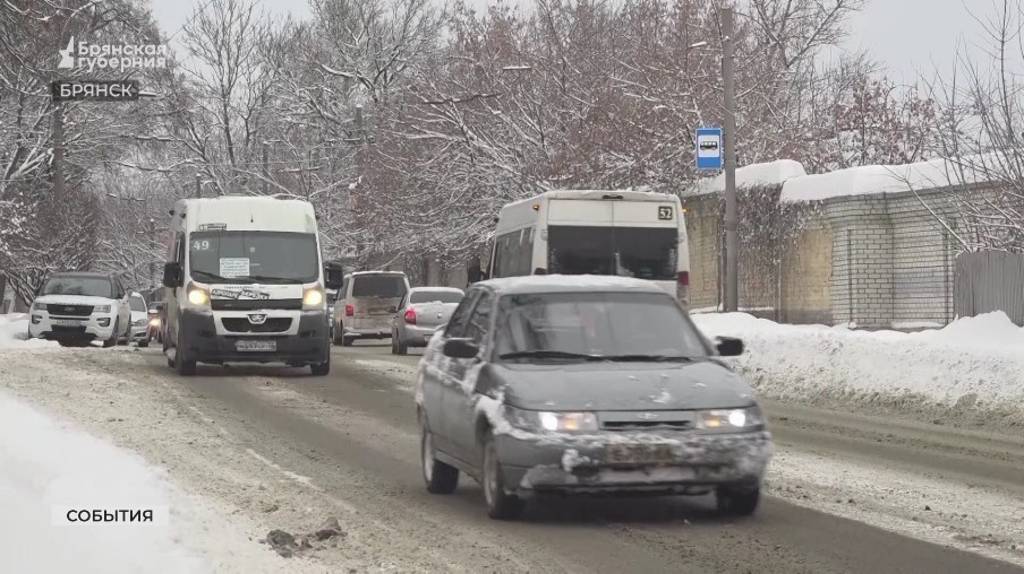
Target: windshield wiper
[(211, 276), (550, 354), (648, 358)]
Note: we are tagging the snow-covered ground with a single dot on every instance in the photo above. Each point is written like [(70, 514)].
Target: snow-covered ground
[(973, 363), (14, 333)]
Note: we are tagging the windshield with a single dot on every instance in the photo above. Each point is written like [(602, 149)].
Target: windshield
[(378, 286), (596, 325), (253, 256), (91, 286), (643, 252), (137, 304), (432, 296)]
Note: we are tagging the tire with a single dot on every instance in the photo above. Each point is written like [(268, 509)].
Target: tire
[(143, 343), (185, 366), (114, 336), (737, 501), (399, 344), (439, 477), (336, 335), (500, 504), (346, 341)]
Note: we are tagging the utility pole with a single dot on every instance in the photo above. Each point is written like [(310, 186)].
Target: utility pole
[(266, 170), (199, 186), (58, 153), (152, 242), (731, 259)]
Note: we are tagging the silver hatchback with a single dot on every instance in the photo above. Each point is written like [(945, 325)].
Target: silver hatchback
[(420, 313)]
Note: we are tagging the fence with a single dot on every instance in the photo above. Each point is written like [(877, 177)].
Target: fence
[(989, 281)]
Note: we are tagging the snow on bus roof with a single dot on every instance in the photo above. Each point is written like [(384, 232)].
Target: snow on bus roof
[(871, 179), (631, 194), (753, 175)]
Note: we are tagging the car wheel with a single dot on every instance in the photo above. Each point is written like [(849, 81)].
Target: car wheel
[(401, 347), (184, 365), (336, 334), (500, 504), (346, 341), (143, 343), (114, 336), (439, 477), (737, 501)]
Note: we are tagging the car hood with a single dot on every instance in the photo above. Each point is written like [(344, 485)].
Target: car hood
[(702, 384), (74, 300)]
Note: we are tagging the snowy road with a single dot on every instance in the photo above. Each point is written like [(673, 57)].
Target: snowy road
[(848, 492)]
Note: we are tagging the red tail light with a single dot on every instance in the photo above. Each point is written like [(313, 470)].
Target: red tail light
[(410, 316), (350, 310), (684, 278)]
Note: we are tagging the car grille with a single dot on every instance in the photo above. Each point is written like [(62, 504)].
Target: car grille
[(646, 425), (253, 304), (64, 329), (70, 310), (242, 325)]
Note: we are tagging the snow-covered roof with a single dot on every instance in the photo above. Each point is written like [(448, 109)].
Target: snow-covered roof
[(570, 283), (754, 175), (871, 179)]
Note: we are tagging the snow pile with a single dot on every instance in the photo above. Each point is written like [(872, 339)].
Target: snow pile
[(973, 362), (754, 175), (870, 179), (14, 333), (49, 468)]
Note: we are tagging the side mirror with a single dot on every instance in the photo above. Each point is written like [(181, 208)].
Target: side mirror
[(334, 277), (460, 348), (729, 346), (172, 274)]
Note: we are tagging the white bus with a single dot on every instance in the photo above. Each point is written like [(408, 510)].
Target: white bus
[(246, 282), (628, 233)]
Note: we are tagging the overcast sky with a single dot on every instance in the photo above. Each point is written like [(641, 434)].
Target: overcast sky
[(908, 37)]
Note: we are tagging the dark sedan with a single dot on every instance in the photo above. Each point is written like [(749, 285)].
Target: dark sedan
[(586, 385)]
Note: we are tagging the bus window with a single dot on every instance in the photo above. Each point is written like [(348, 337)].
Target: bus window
[(642, 252)]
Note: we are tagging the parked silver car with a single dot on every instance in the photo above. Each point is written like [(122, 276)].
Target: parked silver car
[(420, 313), (586, 384)]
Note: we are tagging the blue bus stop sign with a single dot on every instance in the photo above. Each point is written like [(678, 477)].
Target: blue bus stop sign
[(709, 148)]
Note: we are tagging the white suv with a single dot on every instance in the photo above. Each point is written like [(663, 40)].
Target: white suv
[(76, 308)]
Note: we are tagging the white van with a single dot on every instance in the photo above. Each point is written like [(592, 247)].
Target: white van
[(245, 282), (366, 303), (627, 233)]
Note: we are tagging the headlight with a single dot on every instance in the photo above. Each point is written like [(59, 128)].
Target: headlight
[(154, 322), (551, 421), (313, 298), (730, 419), (101, 309), (197, 296), (39, 306)]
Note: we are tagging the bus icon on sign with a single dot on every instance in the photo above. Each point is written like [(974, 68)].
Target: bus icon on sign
[(665, 212)]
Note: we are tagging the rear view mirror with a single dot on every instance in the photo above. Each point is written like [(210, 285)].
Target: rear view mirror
[(460, 348), (729, 346), (172, 274)]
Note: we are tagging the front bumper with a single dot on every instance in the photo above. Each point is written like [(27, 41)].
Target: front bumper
[(308, 343), (140, 332), (571, 464), (42, 326), (367, 333)]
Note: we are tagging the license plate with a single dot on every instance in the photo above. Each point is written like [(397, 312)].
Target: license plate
[(65, 323), (255, 346), (639, 454)]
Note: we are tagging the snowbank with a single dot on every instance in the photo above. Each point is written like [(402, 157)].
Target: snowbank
[(48, 467), (754, 175), (975, 361), (14, 333)]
